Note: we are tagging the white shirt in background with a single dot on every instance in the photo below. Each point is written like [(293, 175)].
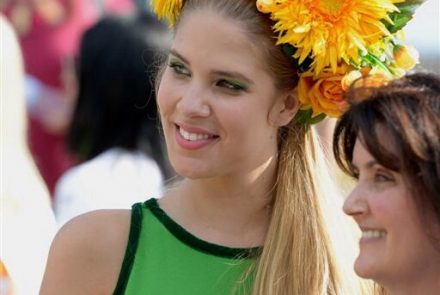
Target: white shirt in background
[(115, 179)]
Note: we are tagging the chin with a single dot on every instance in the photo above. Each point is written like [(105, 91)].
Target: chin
[(190, 170), (364, 268)]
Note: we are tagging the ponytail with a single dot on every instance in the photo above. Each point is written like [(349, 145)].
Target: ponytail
[(298, 255)]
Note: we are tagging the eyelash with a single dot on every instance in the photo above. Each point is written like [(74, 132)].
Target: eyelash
[(378, 177), (381, 177), (180, 69), (228, 85)]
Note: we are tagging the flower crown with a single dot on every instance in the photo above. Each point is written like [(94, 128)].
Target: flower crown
[(334, 43)]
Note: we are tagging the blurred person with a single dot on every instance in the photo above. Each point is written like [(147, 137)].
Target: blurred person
[(27, 220), (110, 7), (389, 140), (49, 33), (142, 5), (114, 129)]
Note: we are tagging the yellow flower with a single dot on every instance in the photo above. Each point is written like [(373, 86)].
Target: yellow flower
[(406, 57), (350, 78), (323, 93), (367, 77), (373, 81), (264, 5), (167, 9), (329, 31)]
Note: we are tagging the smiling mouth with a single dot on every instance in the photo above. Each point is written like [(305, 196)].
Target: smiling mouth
[(192, 136), (373, 234)]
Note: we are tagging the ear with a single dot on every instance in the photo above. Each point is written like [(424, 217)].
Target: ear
[(285, 108)]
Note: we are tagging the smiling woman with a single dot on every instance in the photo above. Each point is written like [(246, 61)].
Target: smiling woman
[(396, 200), (255, 211)]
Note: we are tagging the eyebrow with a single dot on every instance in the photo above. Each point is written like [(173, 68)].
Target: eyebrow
[(178, 55), (227, 74), (367, 165)]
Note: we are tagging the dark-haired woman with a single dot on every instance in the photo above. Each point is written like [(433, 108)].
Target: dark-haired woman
[(389, 141), (114, 128)]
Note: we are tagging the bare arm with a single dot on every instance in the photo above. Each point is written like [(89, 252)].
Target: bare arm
[(87, 253)]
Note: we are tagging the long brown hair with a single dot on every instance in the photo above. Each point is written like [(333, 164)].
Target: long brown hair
[(408, 111), (299, 253)]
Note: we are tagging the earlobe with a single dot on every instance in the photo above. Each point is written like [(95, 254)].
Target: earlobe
[(288, 108)]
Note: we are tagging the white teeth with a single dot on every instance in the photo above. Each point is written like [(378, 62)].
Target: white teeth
[(373, 233), (192, 136)]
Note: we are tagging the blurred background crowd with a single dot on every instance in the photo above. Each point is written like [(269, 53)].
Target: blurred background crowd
[(79, 124)]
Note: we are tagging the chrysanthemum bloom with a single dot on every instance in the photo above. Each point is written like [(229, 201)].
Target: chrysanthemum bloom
[(167, 9), (329, 31)]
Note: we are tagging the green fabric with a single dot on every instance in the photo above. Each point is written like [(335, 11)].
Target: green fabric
[(170, 261)]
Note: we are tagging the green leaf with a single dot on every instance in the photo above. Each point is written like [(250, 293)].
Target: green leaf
[(305, 117), (302, 115), (289, 50), (403, 16), (317, 118), (373, 60)]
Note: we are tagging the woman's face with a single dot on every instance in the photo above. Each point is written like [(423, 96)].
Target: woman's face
[(394, 247), (217, 103)]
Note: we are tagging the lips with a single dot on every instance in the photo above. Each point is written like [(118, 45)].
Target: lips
[(370, 235), (193, 138)]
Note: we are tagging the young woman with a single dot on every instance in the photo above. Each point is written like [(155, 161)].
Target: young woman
[(390, 142), (251, 215)]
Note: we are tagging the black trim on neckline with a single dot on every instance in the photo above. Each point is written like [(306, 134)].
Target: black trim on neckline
[(189, 239)]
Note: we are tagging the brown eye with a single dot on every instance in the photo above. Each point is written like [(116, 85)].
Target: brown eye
[(230, 85), (382, 177), (179, 69)]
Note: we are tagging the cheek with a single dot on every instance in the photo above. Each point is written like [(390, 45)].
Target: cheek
[(249, 121), (166, 96), (385, 210), (393, 211)]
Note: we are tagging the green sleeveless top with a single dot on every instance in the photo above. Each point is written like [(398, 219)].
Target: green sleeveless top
[(162, 258)]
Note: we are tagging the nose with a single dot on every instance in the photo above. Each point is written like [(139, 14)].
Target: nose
[(356, 204), (194, 101)]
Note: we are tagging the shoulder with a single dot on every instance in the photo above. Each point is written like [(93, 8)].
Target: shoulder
[(87, 253), (103, 224)]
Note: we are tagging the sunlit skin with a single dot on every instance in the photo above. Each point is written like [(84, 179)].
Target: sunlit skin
[(395, 250), (221, 113), (214, 85)]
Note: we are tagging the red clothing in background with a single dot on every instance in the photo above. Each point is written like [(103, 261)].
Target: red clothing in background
[(45, 47)]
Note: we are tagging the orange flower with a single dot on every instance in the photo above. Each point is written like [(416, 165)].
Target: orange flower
[(373, 81), (324, 94), (372, 78), (264, 5), (406, 57), (350, 78)]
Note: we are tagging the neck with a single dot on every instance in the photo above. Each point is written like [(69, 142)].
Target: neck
[(231, 210)]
